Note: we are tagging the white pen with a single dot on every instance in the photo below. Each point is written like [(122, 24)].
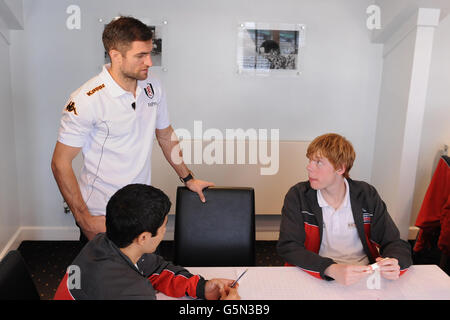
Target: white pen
[(235, 281), (375, 265)]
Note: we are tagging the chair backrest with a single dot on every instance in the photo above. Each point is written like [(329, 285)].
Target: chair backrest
[(15, 280), (220, 232)]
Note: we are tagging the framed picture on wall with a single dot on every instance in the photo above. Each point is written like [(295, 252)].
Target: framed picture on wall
[(270, 48)]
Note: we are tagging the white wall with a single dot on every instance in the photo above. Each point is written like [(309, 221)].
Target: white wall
[(391, 9), (436, 128), (397, 71), (338, 90), (9, 198), (407, 60)]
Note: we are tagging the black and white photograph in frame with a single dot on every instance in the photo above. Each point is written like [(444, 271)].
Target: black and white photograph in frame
[(269, 48)]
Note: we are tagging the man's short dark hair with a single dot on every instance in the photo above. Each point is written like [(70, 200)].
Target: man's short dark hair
[(134, 209), (122, 31)]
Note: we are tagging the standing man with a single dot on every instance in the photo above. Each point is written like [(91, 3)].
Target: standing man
[(112, 119)]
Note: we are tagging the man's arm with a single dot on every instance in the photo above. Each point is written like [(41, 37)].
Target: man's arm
[(63, 156), (168, 141)]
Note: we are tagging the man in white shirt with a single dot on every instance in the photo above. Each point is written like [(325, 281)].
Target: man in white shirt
[(112, 119)]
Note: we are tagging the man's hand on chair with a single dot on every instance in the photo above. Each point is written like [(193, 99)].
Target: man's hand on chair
[(197, 186)]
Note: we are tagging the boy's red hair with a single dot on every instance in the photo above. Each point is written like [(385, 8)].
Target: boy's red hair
[(338, 150)]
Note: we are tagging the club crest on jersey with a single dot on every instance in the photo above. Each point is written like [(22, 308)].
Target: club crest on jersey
[(149, 90)]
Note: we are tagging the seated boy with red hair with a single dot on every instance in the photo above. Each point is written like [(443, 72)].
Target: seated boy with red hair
[(333, 227)]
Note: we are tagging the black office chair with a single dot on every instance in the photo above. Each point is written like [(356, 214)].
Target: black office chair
[(15, 280), (220, 232)]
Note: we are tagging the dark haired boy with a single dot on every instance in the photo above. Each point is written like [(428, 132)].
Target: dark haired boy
[(120, 264)]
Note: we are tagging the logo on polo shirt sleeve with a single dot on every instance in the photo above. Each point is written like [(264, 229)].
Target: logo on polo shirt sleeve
[(91, 92), (71, 108), (149, 90)]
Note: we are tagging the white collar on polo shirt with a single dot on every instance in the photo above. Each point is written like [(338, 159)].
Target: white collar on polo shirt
[(346, 203), (111, 85)]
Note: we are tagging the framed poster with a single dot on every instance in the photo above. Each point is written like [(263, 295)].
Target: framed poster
[(270, 48)]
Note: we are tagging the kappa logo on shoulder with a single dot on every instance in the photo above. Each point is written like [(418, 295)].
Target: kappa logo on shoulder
[(91, 92), (71, 108), (149, 90)]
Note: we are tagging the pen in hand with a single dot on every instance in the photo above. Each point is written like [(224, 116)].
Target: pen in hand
[(236, 281), (375, 265)]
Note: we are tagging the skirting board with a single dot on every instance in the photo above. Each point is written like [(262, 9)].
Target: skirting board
[(73, 233), (37, 234)]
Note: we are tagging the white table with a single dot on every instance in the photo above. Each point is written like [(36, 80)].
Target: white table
[(420, 282)]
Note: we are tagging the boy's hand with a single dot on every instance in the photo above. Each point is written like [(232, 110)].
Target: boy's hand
[(220, 288), (389, 268), (347, 274)]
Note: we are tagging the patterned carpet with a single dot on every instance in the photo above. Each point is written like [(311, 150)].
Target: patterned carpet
[(47, 260)]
